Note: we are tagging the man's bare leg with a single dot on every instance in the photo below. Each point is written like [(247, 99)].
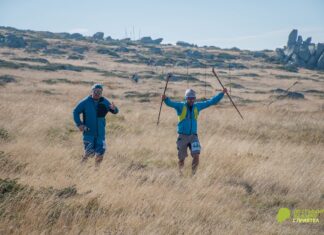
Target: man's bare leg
[(84, 158), (98, 160), (181, 165), (195, 163)]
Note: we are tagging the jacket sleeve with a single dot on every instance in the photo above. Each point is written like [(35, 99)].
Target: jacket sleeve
[(114, 111), (214, 100), (176, 105), (77, 111)]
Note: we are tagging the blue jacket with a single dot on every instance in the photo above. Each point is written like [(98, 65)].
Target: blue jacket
[(187, 117), (93, 116)]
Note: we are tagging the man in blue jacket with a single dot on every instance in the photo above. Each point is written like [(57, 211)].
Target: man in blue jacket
[(188, 113), (93, 109)]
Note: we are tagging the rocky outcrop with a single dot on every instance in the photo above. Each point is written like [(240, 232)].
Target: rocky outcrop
[(300, 53), (13, 41), (98, 36), (149, 40)]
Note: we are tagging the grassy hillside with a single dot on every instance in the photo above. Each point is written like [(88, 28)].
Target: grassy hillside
[(249, 169)]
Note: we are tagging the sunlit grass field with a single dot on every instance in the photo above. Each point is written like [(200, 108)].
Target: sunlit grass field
[(248, 169)]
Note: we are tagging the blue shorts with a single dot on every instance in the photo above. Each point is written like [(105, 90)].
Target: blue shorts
[(94, 146)]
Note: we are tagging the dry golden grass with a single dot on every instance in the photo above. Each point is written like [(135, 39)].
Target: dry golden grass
[(249, 169)]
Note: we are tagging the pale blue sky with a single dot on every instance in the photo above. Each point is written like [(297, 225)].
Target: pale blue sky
[(248, 24)]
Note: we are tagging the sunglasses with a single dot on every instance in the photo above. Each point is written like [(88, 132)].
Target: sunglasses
[(97, 92), (191, 98)]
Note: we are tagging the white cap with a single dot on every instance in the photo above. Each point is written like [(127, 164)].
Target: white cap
[(190, 93)]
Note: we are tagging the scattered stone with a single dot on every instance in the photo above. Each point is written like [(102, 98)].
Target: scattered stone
[(135, 78), (235, 85), (185, 44), (75, 57), (4, 79), (292, 95)]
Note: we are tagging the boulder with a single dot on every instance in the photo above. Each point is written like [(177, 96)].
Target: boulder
[(122, 49), (320, 62), (299, 40), (289, 51), (63, 35), (319, 50), (77, 36), (259, 54), (14, 41), (109, 38), (280, 54), (157, 41), (75, 57), (98, 36), (312, 49), (292, 38), (208, 56), (235, 49), (156, 50), (149, 40), (304, 53), (311, 63), (196, 64), (307, 41), (295, 95), (193, 54), (4, 79), (291, 67), (2, 39), (135, 77)]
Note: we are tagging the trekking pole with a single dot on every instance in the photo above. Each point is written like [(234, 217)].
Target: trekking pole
[(166, 85), (227, 94), (284, 91)]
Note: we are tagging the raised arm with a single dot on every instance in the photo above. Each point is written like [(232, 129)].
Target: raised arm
[(111, 107), (214, 100), (173, 104)]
